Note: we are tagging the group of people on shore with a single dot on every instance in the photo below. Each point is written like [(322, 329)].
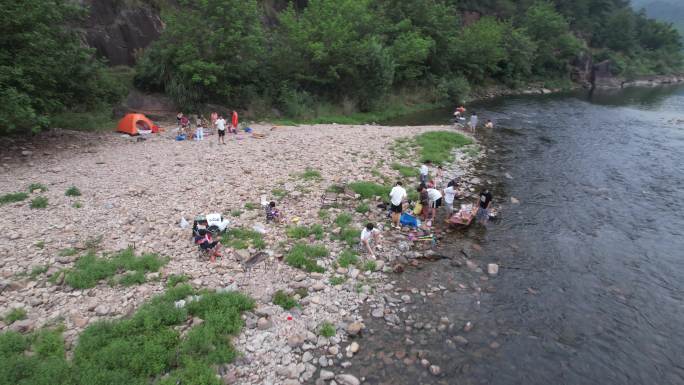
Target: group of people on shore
[(459, 115), (217, 122)]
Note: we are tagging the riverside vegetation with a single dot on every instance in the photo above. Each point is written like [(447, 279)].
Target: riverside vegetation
[(365, 60)]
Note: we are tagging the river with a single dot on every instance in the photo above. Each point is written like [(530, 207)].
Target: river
[(591, 285)]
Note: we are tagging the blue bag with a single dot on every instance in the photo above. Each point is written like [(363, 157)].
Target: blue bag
[(408, 220)]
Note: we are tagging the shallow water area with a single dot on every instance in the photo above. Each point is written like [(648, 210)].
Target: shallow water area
[(590, 285)]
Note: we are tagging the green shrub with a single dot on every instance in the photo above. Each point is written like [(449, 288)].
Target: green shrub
[(15, 315), (72, 191), (370, 266), (68, 252), (235, 213), (362, 208), (251, 206), (337, 189), (326, 329), (347, 258), (90, 269), (39, 203), (37, 187), (77, 205), (349, 235), (40, 244), (337, 280), (283, 300), (38, 270), (241, 238), (132, 278), (369, 189), (302, 256), (343, 219), (438, 145), (173, 279), (134, 350), (310, 174), (12, 197), (406, 171), (323, 214), (279, 193), (299, 232)]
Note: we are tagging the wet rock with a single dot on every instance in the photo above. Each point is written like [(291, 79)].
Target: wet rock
[(494, 345), (515, 201), (354, 328), (461, 340), (354, 347), (326, 375), (347, 379), (468, 326), (435, 370), (378, 312), (493, 269)]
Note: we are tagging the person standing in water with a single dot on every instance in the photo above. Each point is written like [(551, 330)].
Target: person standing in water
[(473, 121), (484, 201)]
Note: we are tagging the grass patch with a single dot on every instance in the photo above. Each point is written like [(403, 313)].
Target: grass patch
[(299, 232), (311, 174), (251, 206), (38, 270), (235, 213), (279, 193), (174, 279), (406, 171), (343, 220), (472, 150), (91, 269), (323, 214), (145, 348), (362, 208), (40, 244), (302, 292), (336, 188), (347, 258), (337, 280), (68, 252), (326, 329), (15, 315), (283, 300), (77, 205), (241, 238), (369, 189), (437, 145), (73, 191), (369, 266), (37, 187), (132, 278), (303, 256), (12, 198), (39, 203)]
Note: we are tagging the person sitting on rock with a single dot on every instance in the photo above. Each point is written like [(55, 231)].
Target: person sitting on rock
[(272, 213), (369, 235), (205, 241)]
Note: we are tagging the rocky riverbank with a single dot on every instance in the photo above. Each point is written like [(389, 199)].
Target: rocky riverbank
[(134, 194)]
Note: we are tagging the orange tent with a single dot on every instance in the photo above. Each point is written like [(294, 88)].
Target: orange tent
[(132, 123)]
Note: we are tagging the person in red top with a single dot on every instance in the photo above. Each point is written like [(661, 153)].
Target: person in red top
[(214, 118), (234, 122)]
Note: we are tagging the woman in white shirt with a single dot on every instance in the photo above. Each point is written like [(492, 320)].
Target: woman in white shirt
[(370, 234)]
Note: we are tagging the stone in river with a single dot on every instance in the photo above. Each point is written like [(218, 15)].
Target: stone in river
[(435, 370), (354, 328), (347, 379), (493, 269)]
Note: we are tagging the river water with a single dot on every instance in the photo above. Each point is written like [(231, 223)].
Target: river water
[(591, 289)]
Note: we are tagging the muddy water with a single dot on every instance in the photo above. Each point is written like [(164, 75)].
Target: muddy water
[(591, 285)]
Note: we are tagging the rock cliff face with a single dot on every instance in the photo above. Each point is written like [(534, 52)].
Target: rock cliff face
[(120, 30)]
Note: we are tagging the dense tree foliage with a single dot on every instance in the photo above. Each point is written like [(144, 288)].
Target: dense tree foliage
[(43, 67), (296, 55), (359, 51)]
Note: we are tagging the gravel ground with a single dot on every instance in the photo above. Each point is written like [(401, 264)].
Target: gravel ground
[(134, 194)]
